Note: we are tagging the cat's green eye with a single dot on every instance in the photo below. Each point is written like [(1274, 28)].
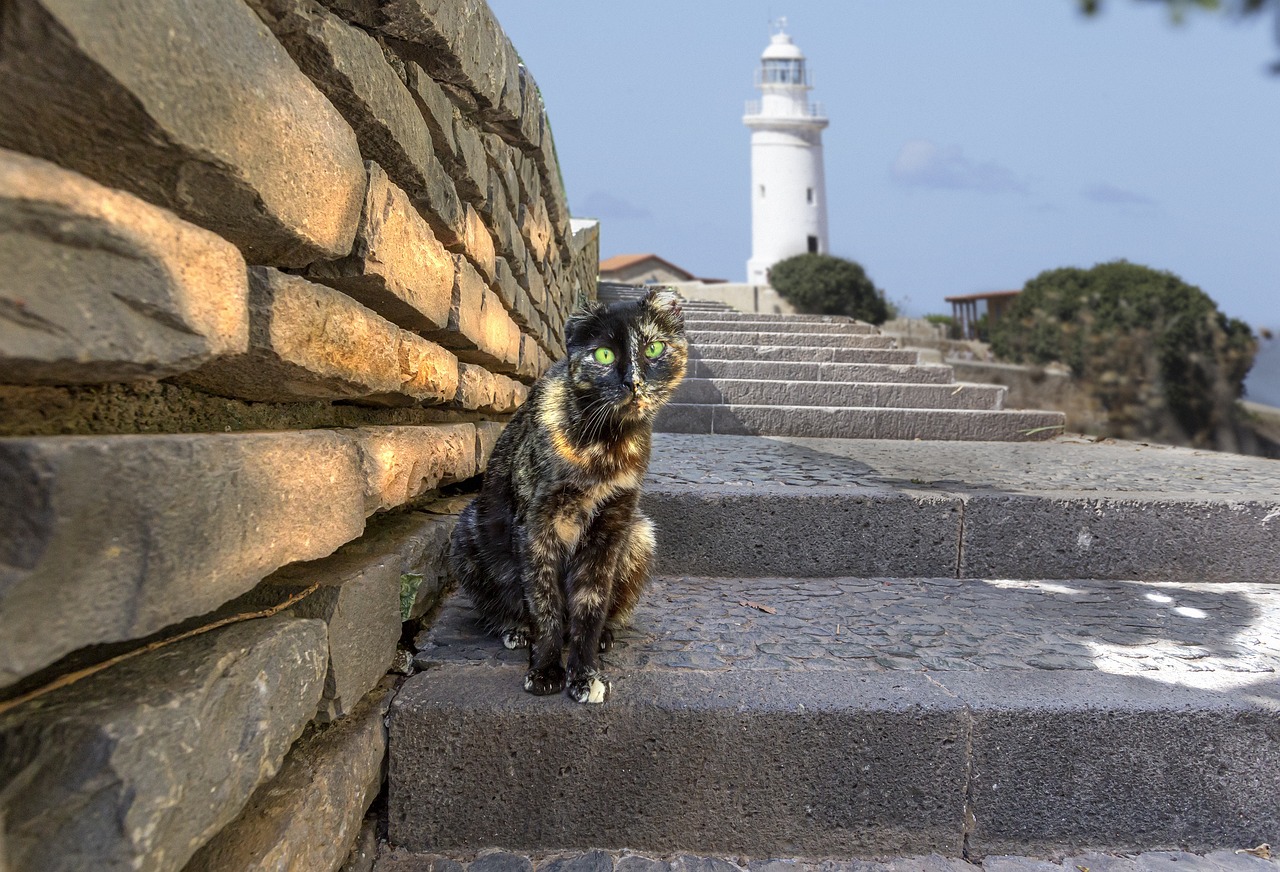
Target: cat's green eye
[(604, 355), (654, 349)]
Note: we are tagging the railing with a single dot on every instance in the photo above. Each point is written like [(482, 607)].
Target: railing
[(811, 110)]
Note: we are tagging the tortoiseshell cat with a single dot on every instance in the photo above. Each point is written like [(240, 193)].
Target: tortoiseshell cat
[(554, 552)]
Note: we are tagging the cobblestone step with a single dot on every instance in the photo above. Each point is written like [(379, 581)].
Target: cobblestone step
[(860, 422), (861, 717), (760, 337), (818, 393), (807, 353), (1069, 508), (817, 369), (1237, 860)]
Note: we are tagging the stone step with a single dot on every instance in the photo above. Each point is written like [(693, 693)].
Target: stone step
[(752, 392), (788, 326), (1069, 508), (818, 370), (757, 337), (807, 353), (734, 315), (860, 717), (1222, 860), (860, 422)]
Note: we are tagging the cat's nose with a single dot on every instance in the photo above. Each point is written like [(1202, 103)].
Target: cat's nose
[(629, 381)]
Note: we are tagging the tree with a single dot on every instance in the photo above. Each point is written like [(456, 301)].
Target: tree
[(819, 284), (1178, 8), (1156, 352)]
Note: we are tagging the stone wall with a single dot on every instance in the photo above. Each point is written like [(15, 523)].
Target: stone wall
[(273, 275)]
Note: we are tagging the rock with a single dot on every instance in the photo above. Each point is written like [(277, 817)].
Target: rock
[(358, 600), (350, 67), (416, 543), (478, 244), (398, 860), (308, 341), (591, 861), (402, 463), (138, 766), (398, 268), (107, 538), (536, 228), (487, 433), (473, 164), (480, 389), (99, 286), (309, 816), (279, 174), (500, 861), (437, 110), (365, 852)]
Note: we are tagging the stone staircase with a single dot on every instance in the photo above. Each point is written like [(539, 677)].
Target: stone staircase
[(826, 376), (881, 648)]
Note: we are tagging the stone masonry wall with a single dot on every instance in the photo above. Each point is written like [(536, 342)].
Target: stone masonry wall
[(273, 275)]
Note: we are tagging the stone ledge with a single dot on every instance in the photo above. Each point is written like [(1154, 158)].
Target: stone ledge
[(308, 816), (135, 533), (480, 330), (359, 602), (279, 175), (398, 268), (349, 66), (141, 764), (402, 463), (140, 532), (480, 389), (101, 286), (308, 341)]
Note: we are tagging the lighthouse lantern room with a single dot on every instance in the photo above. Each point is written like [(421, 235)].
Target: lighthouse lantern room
[(788, 191)]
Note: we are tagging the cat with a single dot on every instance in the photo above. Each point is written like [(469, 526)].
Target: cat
[(554, 551)]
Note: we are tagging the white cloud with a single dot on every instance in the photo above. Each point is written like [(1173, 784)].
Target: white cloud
[(925, 164), (1114, 196)]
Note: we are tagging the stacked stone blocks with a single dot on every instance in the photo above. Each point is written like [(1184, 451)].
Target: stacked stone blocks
[(345, 211)]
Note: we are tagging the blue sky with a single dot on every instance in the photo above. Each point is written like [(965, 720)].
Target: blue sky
[(972, 145)]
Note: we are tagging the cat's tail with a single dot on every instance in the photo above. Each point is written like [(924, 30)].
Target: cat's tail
[(489, 576)]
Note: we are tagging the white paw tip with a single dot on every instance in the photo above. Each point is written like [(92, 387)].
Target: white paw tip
[(597, 690)]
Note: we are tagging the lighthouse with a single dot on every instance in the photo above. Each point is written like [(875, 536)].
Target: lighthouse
[(788, 189)]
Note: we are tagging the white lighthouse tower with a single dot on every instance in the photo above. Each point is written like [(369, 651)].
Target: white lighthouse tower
[(788, 189)]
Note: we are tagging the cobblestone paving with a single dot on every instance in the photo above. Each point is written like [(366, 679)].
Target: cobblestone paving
[(1237, 860), (1151, 629), (1069, 464)]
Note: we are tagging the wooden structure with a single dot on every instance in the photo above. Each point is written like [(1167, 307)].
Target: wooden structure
[(964, 309)]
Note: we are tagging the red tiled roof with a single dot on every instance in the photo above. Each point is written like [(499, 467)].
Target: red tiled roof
[(622, 261)]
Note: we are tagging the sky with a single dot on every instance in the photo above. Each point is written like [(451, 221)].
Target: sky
[(972, 145)]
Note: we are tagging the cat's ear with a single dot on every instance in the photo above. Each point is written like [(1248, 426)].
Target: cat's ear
[(582, 316), (666, 302)]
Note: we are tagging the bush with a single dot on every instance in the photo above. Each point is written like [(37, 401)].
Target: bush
[(1155, 351), (819, 284)]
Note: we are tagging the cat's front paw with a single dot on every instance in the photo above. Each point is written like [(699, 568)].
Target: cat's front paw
[(545, 681), (606, 639), (590, 688), (514, 639)]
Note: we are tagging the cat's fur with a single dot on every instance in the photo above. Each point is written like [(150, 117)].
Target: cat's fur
[(554, 552)]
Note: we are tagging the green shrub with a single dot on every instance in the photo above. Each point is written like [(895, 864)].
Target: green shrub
[(1155, 350), (819, 284)]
